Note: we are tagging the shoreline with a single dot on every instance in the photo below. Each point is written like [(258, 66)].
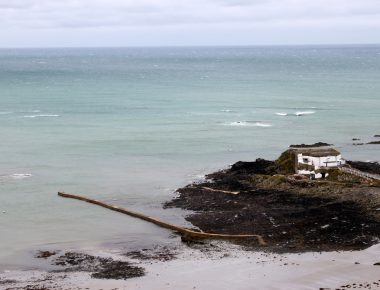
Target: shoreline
[(194, 268), (157, 267)]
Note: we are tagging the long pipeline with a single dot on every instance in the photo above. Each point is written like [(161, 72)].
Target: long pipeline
[(183, 231)]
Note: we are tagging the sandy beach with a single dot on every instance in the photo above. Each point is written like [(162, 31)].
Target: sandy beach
[(225, 267)]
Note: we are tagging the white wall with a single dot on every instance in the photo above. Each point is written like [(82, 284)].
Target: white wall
[(317, 162)]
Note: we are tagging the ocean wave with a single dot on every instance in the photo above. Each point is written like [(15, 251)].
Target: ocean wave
[(281, 114), (20, 175), (248, 124), (301, 113), (259, 124), (5, 113), (226, 111), (197, 177), (40, 116), (29, 111)]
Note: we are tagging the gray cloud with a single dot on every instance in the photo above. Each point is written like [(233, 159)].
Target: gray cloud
[(71, 15), (90, 13)]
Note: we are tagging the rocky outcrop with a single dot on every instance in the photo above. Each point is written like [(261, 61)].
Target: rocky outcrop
[(291, 214), (318, 144)]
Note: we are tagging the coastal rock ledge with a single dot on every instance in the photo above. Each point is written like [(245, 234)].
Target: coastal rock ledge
[(293, 214)]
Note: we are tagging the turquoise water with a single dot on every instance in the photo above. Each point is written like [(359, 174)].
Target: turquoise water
[(130, 125)]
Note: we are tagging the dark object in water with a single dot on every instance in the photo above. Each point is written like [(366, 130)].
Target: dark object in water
[(355, 139), (45, 254), (374, 142), (318, 144)]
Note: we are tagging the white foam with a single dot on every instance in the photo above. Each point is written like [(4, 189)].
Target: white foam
[(197, 177), (20, 175), (301, 113), (40, 116), (259, 124), (5, 113), (281, 114), (226, 110), (248, 124)]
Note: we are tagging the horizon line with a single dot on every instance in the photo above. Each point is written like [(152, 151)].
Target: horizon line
[(196, 46)]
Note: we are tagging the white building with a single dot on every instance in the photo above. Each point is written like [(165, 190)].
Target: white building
[(316, 161)]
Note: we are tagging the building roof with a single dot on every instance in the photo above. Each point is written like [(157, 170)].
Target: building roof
[(318, 152)]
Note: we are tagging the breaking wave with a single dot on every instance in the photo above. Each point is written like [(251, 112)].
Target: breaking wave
[(302, 113), (20, 175), (40, 116), (281, 114), (248, 124)]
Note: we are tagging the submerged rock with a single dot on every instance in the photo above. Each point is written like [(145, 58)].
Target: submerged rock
[(45, 254)]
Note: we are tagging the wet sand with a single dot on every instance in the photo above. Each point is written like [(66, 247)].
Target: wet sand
[(224, 267)]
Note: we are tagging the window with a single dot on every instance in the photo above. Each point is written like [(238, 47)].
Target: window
[(305, 160)]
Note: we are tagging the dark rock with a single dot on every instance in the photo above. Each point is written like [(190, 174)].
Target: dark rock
[(273, 213), (318, 144), (370, 167), (291, 215), (7, 281), (163, 254), (260, 166), (374, 142), (376, 136), (355, 139), (377, 264), (101, 268), (118, 270), (45, 254), (191, 241)]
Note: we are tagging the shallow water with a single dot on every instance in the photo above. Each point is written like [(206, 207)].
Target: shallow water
[(131, 125)]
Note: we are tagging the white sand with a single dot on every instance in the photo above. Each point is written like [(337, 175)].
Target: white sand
[(233, 269)]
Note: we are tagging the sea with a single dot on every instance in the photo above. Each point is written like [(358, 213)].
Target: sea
[(131, 125)]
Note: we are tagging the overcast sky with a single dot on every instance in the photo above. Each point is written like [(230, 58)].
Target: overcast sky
[(52, 23)]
